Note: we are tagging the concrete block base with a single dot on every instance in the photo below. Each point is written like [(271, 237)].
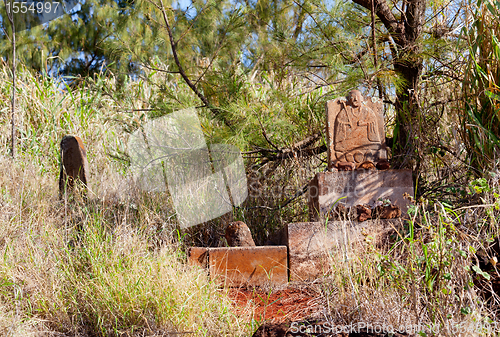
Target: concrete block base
[(360, 187), (243, 266), (314, 247)]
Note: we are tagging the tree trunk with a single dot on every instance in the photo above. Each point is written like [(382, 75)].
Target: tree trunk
[(405, 32)]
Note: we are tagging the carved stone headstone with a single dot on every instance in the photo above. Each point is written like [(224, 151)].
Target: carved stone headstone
[(74, 165), (355, 130)]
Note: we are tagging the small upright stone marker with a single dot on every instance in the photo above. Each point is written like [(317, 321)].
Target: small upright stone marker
[(354, 131), (74, 165)]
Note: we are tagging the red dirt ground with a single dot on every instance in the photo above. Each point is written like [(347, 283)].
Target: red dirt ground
[(279, 306)]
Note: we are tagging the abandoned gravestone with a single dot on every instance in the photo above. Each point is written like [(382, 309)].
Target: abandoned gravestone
[(359, 198), (356, 142), (74, 165), (354, 131)]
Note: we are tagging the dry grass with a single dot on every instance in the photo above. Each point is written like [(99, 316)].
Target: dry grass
[(108, 266), (113, 265), (422, 279)]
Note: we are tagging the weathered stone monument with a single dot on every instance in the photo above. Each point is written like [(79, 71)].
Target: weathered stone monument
[(356, 197), (358, 170), (74, 165), (354, 131)]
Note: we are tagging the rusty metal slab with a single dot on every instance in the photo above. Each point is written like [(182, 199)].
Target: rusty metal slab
[(249, 266), (359, 187)]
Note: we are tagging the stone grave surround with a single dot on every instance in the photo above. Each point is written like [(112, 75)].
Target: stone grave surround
[(358, 178)]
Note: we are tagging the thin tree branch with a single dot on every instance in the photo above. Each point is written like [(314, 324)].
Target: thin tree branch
[(173, 45)]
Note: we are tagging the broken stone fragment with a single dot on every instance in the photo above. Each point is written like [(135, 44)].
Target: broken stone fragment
[(367, 165), (74, 165), (364, 212), (238, 235), (387, 212), (339, 213), (383, 165), (345, 166)]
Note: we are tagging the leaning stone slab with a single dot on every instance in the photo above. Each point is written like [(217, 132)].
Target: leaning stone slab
[(314, 248), (360, 187), (249, 266), (74, 165)]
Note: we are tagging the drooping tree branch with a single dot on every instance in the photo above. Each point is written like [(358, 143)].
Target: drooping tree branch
[(301, 149), (173, 44)]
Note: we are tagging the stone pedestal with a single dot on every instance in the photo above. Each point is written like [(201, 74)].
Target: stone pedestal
[(359, 187), (314, 247)]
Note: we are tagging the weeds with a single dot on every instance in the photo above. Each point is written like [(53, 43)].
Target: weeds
[(114, 265)]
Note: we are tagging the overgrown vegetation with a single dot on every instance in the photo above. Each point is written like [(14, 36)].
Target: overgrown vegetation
[(259, 74)]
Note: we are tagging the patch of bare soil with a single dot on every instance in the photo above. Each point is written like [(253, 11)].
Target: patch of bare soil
[(291, 304)]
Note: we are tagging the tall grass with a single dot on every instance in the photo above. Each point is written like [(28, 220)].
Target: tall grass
[(109, 266), (481, 88), (114, 264), (421, 283)]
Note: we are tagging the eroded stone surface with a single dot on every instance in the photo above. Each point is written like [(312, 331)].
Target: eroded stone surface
[(346, 166), (251, 266), (354, 130), (74, 165), (367, 165), (364, 213), (314, 247), (198, 256), (383, 165), (238, 235), (350, 188), (387, 212)]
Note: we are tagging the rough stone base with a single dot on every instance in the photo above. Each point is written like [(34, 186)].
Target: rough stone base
[(313, 247), (243, 266), (360, 187)]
